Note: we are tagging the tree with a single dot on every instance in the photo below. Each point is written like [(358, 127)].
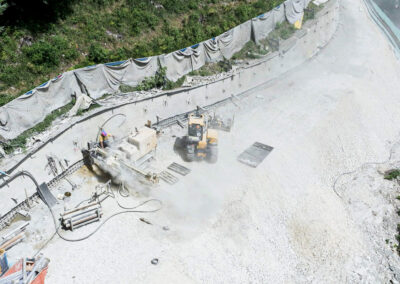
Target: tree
[(34, 15)]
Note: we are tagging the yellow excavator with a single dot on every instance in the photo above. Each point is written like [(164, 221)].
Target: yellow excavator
[(201, 141)]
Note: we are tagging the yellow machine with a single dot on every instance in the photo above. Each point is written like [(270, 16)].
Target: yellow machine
[(202, 142)]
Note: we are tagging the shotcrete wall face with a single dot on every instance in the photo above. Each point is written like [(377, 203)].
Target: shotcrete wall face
[(293, 52)]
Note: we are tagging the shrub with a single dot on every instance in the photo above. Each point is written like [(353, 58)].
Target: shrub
[(392, 174), (97, 54), (43, 53), (4, 98), (169, 85)]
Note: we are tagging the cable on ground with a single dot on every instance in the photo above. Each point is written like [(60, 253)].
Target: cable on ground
[(391, 152)]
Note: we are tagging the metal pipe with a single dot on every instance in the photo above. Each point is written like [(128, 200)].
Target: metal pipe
[(87, 223), (21, 173), (88, 211), (13, 232), (11, 242), (80, 217), (135, 169), (80, 208)]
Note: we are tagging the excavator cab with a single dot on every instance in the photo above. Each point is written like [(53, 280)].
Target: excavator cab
[(196, 126), (201, 141)]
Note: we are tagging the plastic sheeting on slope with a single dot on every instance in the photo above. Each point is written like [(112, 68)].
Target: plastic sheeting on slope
[(100, 79), (211, 51), (279, 14), (31, 108), (233, 40), (138, 69), (82, 102), (262, 25), (294, 9), (182, 62)]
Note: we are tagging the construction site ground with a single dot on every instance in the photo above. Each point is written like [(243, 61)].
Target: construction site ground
[(284, 221)]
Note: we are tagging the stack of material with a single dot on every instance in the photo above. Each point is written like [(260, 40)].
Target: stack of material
[(12, 238), (27, 270), (81, 216)]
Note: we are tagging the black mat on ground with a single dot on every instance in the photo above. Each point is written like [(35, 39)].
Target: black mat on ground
[(46, 195), (255, 154)]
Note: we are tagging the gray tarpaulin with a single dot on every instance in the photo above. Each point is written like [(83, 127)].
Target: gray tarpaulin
[(265, 23), (294, 9), (233, 40), (182, 62), (31, 108), (178, 63), (198, 56), (279, 14), (97, 80), (115, 72), (82, 102), (138, 69), (262, 26), (211, 51)]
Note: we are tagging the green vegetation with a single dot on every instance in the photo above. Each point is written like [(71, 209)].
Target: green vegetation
[(213, 68), (69, 34), (250, 51), (5, 99), (398, 197), (282, 31), (169, 85), (159, 81), (392, 174), (312, 9), (21, 140)]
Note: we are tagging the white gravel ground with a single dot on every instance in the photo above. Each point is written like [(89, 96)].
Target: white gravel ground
[(280, 222)]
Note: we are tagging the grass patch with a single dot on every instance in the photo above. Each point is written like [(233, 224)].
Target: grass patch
[(159, 80), (392, 174), (126, 89), (283, 31), (398, 197), (213, 68), (251, 50), (4, 98), (311, 11), (20, 141), (169, 85)]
